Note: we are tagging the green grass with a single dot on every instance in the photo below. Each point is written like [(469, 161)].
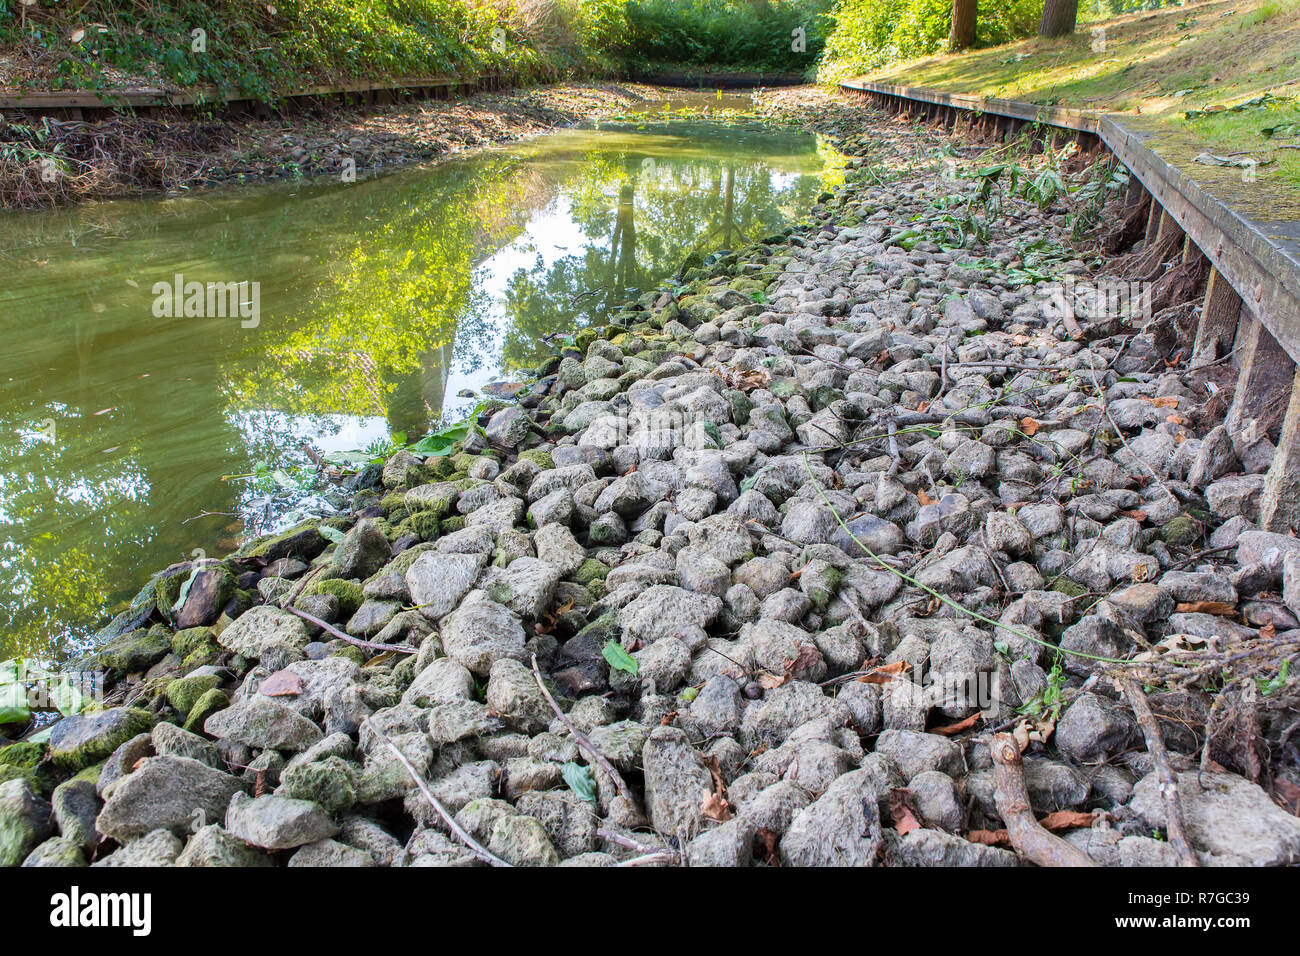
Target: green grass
[(1161, 65)]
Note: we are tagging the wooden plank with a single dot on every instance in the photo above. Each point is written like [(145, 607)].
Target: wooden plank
[(1279, 506)]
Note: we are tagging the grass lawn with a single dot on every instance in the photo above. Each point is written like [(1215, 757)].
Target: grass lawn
[(1200, 58)]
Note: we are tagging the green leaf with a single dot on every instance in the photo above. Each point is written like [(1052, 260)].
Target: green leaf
[(439, 444), (620, 659), (579, 780)]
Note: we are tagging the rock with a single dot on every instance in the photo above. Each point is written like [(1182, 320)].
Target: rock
[(937, 800), (935, 848), (839, 828), (24, 821), (158, 848), (277, 823), (960, 571), (263, 722), (1230, 821), (259, 629), (331, 853), (664, 610), (438, 582), (880, 536), (914, 753), (1235, 495), (676, 781), (363, 550), (330, 782), (77, 742), (1005, 532), (728, 844), (480, 632), (522, 841), (1093, 729), (526, 587), (74, 805), (173, 793), (57, 851), (171, 741), (213, 846), (443, 679), (513, 694)]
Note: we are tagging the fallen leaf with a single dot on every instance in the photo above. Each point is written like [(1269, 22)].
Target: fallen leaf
[(1067, 820), (1029, 426), (772, 681), (78, 35), (715, 807), (900, 808), (950, 729), (1221, 608), (990, 837), (1164, 401), (769, 846), (925, 499), (1137, 514), (1268, 631), (281, 684), (885, 674)]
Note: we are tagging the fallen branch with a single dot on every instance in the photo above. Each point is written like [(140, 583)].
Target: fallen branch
[(649, 853), (1165, 774), (1027, 835), (354, 641), (581, 738), (480, 851)]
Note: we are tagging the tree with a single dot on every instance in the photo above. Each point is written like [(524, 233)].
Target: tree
[(962, 33), (1058, 18)]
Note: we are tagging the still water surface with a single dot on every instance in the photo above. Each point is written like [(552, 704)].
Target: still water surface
[(379, 301)]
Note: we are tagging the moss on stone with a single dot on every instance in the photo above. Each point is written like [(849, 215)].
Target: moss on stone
[(590, 570), (453, 524), (348, 593), (207, 705), (542, 459), (1069, 586), (1182, 531), (184, 691), (136, 650)]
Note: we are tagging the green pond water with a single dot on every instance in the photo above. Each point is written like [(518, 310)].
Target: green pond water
[(124, 430)]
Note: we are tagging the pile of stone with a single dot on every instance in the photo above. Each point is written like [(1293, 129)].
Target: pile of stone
[(762, 541)]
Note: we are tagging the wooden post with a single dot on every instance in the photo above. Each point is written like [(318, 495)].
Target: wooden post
[(1279, 507), (1218, 323), (1153, 221), (1260, 398), (1168, 225)]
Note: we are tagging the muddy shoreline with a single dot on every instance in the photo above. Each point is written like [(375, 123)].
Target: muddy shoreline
[(64, 162)]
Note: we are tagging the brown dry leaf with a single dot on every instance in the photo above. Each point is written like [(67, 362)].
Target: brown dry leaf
[(1067, 820), (667, 718), (1175, 419), (885, 674), (1029, 426), (1137, 514), (925, 499), (990, 837), (281, 684), (379, 659), (805, 659), (1140, 573), (715, 807), (772, 681), (769, 846), (1268, 631), (1165, 401), (139, 763), (949, 729), (1221, 608), (924, 406), (901, 809)]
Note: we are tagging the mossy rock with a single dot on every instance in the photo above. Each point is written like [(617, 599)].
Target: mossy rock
[(402, 563), (77, 742), (1069, 586), (453, 524), (183, 692), (303, 541), (589, 571), (1182, 531), (821, 591), (207, 705), (331, 782), (584, 338), (348, 593), (425, 525), (190, 639), (785, 388), (741, 405), (136, 651), (25, 760), (354, 654), (440, 469), (542, 459), (392, 502)]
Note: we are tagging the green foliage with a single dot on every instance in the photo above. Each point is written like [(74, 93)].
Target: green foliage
[(263, 49), (868, 34), (619, 659), (579, 780), (20, 678), (743, 34)]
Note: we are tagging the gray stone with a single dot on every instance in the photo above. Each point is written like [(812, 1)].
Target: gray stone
[(261, 628), (676, 782), (481, 632), (438, 582), (174, 793), (839, 828), (24, 821), (277, 823), (213, 846), (263, 722)]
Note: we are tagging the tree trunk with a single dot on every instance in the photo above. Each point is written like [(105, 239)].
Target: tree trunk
[(962, 34), (1058, 18)]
